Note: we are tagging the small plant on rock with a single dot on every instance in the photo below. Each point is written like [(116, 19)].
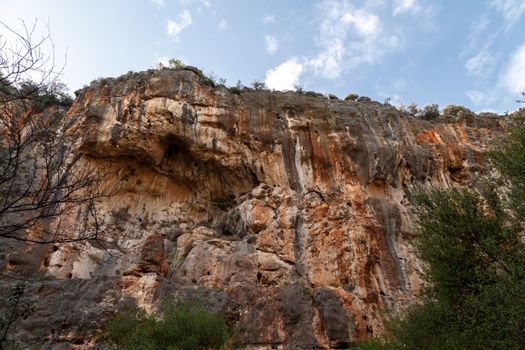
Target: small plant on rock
[(351, 97), (412, 109), (259, 85), (454, 110), (175, 64), (430, 111)]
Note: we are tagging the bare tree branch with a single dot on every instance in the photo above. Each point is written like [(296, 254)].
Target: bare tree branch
[(47, 195)]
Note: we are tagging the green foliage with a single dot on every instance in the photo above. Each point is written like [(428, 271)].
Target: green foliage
[(431, 110), (43, 96), (454, 110), (237, 89), (412, 109), (509, 159), (6, 86), (234, 90), (258, 85), (472, 247), (100, 81), (462, 230), (351, 97), (474, 262), (177, 325), (208, 81), (212, 80), (175, 64)]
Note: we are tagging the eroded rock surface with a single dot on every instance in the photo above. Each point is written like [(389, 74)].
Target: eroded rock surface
[(288, 212)]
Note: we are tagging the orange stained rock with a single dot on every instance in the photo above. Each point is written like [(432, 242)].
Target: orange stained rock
[(428, 137)]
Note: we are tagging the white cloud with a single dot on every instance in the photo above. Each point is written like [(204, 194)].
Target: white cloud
[(206, 3), (272, 45), (268, 19), (376, 3), (425, 14), (285, 76), (403, 6), (348, 37), (511, 10), (163, 60), (183, 20), (514, 75), (477, 28), (392, 98), (480, 98), (159, 3), (223, 25), (480, 64), (328, 63), (366, 24), (477, 35)]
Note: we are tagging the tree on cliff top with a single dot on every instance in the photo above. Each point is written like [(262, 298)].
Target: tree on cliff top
[(45, 195), (471, 244)]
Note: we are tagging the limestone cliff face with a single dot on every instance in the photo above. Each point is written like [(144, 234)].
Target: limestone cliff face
[(289, 212)]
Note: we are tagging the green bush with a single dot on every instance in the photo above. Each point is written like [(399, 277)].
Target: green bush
[(234, 90), (237, 89), (454, 110), (351, 97), (412, 109), (430, 111), (473, 262), (471, 244), (175, 64), (41, 96), (177, 325), (258, 85), (208, 81)]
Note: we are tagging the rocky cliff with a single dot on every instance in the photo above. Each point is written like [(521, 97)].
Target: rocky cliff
[(289, 212)]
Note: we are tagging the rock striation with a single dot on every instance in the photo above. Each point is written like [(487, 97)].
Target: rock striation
[(289, 212)]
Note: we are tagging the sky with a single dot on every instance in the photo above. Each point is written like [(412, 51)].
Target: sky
[(465, 52)]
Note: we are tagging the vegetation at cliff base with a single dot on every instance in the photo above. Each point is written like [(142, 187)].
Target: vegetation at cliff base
[(176, 325), (471, 243)]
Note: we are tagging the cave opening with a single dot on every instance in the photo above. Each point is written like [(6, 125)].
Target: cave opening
[(175, 147)]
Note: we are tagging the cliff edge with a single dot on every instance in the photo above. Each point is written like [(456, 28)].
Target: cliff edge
[(289, 212)]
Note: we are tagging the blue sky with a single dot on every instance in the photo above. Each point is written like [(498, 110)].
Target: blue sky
[(468, 52)]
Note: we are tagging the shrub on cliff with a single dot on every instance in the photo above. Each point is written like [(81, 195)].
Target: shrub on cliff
[(258, 85), (454, 110), (412, 109), (237, 89), (351, 97), (175, 64), (177, 325), (53, 94), (430, 111)]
